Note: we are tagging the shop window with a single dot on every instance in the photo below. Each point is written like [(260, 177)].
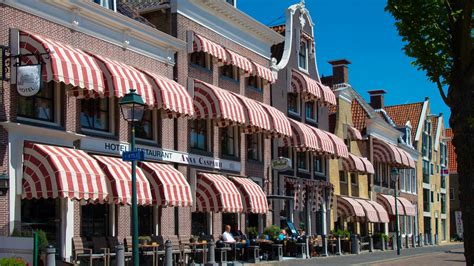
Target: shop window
[(145, 223), (145, 130), (301, 158), (200, 223), (293, 103), (230, 71), (318, 165), (95, 114), (201, 59), (42, 214), (303, 55), (310, 111), (354, 178), (199, 134), (229, 219), (342, 177), (94, 220), (254, 147), (109, 4), (230, 141), (40, 106), (255, 82)]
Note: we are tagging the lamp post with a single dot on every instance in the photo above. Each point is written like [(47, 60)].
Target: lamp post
[(394, 174), (132, 108)]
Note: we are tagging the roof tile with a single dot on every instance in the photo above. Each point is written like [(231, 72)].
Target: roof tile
[(401, 114), (452, 158), (358, 115)]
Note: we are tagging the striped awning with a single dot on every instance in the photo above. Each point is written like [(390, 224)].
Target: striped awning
[(202, 44), (172, 97), (240, 61), (303, 137), (169, 187), (388, 202), (122, 77), (215, 103), (279, 123), (407, 206), (216, 193), (312, 89), (254, 199), (118, 173), (353, 133), (325, 143), (354, 163), (257, 118), (370, 212), (263, 72), (63, 63), (390, 154), (349, 207), (381, 212), (52, 172), (340, 147)]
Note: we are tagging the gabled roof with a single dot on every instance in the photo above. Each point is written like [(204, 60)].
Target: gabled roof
[(452, 158), (402, 113), (434, 125), (359, 115)]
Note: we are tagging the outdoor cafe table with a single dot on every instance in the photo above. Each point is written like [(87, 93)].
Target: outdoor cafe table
[(153, 247), (195, 246)]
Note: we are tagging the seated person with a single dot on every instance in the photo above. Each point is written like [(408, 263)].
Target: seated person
[(227, 236), (282, 236), (236, 233)]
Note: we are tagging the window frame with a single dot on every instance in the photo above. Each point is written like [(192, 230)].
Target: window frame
[(354, 177), (306, 170), (235, 142), (57, 89), (205, 57), (259, 146), (260, 83), (235, 76), (300, 55), (206, 134), (344, 174), (315, 108), (106, 3), (323, 166), (111, 117), (298, 104), (155, 124)]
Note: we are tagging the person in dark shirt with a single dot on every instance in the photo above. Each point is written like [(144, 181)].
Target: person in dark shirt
[(236, 233)]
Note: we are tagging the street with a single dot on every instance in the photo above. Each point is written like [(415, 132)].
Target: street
[(437, 255)]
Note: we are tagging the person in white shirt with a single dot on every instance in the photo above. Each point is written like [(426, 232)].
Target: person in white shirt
[(227, 236)]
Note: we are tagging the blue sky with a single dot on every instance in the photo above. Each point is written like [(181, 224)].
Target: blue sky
[(363, 33)]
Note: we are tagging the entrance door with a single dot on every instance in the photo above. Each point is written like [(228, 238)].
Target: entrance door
[(42, 214)]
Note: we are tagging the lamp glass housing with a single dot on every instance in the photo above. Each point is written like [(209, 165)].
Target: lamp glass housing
[(132, 107)]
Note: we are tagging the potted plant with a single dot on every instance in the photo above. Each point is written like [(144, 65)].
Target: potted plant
[(13, 262), (272, 232)]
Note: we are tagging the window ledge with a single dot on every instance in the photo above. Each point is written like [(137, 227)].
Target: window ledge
[(200, 152), (292, 114), (229, 79), (151, 142), (196, 66), (304, 70), (97, 133), (38, 122), (230, 157), (312, 122), (248, 87)]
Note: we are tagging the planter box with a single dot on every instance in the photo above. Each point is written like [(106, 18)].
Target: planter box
[(17, 247)]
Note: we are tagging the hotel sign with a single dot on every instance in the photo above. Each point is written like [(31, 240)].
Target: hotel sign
[(158, 154), (281, 164), (28, 80)]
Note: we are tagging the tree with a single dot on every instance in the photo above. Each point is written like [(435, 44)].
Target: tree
[(438, 34)]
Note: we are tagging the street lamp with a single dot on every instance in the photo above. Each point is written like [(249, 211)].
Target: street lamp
[(394, 174), (132, 108)]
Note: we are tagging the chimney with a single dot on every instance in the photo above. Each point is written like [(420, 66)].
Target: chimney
[(340, 71), (376, 98)]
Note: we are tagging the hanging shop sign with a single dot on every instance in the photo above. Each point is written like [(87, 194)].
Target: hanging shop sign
[(281, 164), (158, 154), (28, 80)]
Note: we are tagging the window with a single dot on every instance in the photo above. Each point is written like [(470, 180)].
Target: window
[(230, 71), (145, 129), (442, 156), (426, 172), (254, 147), (303, 55), (413, 181), (354, 179), (199, 134), (402, 180), (451, 194), (293, 103), (200, 223), (39, 106), (408, 136), (310, 111), (229, 141), (301, 160), (94, 220), (201, 59), (432, 197), (110, 4), (145, 223), (255, 82), (43, 214), (318, 164), (95, 114), (431, 168), (342, 177), (232, 2), (426, 200)]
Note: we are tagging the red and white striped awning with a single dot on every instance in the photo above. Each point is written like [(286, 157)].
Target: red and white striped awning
[(381, 212), (256, 116), (303, 137), (279, 123), (212, 102), (340, 147), (216, 193), (122, 77), (240, 61), (254, 199), (202, 44), (407, 206), (325, 142), (388, 202), (172, 97), (369, 210), (312, 89), (264, 72), (354, 163), (349, 207), (63, 63), (353, 133), (118, 173), (169, 187), (52, 172), (390, 154)]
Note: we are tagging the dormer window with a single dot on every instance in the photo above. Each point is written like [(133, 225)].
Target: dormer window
[(303, 55), (408, 136), (110, 4)]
